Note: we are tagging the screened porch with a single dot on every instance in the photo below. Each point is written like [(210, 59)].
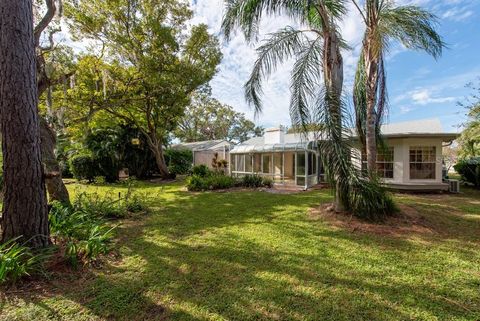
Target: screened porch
[(287, 165)]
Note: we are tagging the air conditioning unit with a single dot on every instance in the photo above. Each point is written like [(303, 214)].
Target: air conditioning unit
[(453, 186)]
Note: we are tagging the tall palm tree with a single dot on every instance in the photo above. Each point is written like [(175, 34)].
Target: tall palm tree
[(315, 99), (316, 50), (411, 26)]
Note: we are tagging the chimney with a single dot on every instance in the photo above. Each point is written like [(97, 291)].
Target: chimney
[(274, 135)]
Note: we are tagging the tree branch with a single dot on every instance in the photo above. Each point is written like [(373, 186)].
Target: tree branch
[(47, 18), (361, 12)]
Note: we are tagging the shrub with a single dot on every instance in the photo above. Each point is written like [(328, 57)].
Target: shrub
[(96, 206), (99, 180), (267, 182), (84, 236), (200, 170), (252, 181), (83, 167), (469, 169), (17, 261), (210, 182), (179, 161)]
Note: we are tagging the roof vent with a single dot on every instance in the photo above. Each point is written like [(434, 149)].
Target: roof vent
[(275, 135)]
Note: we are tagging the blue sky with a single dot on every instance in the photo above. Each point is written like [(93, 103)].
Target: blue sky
[(419, 87)]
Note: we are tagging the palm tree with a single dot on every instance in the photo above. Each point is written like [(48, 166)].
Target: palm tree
[(411, 26), (316, 49), (315, 99)]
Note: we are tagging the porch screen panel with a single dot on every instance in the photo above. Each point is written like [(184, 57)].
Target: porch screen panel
[(300, 163), (240, 163), (278, 164), (422, 162), (248, 163), (267, 164), (257, 163)]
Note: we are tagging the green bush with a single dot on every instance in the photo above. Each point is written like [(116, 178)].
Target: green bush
[(96, 206), (252, 181), (201, 170), (84, 236), (210, 182), (469, 169), (179, 162), (267, 182), (17, 261), (84, 167)]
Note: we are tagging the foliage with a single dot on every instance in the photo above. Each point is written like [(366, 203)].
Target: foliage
[(252, 181), (17, 261), (316, 51), (470, 138), (179, 162), (104, 146), (83, 167), (469, 169), (200, 170), (154, 63), (206, 118), (410, 25), (212, 181), (84, 236), (219, 165)]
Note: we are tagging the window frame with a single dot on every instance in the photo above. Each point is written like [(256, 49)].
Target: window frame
[(421, 159)]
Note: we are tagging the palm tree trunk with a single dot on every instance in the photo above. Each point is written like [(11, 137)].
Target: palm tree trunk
[(25, 211), (333, 78), (371, 76)]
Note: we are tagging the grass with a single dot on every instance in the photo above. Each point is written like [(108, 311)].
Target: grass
[(249, 255)]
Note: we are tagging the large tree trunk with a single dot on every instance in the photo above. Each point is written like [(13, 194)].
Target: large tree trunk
[(157, 150), (53, 179), (25, 212)]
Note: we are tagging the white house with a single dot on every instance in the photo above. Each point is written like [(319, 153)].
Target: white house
[(412, 160)]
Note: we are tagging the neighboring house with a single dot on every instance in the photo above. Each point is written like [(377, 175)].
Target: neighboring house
[(412, 160), (204, 151)]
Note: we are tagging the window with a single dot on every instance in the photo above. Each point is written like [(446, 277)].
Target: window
[(248, 163), (385, 157), (385, 162), (422, 162), (267, 163)]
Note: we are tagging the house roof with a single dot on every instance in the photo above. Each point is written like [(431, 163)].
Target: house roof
[(203, 145), (418, 128)]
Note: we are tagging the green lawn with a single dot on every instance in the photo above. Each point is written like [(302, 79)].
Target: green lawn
[(261, 256)]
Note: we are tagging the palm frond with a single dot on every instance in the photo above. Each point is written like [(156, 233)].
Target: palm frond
[(279, 47), (306, 79), (414, 27)]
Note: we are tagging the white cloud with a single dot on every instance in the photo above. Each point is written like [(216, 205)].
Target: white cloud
[(424, 97)]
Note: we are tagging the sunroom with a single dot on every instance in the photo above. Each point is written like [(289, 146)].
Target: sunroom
[(286, 163)]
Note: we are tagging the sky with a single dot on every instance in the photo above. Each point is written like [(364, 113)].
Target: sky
[(419, 86)]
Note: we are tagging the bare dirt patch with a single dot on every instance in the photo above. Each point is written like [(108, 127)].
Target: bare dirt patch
[(407, 221)]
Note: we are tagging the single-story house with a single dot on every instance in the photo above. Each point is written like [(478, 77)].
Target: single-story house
[(204, 151), (412, 160)]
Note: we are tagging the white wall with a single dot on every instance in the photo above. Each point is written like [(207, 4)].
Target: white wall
[(401, 168)]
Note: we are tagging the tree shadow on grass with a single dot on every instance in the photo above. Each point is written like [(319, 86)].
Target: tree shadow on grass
[(257, 256)]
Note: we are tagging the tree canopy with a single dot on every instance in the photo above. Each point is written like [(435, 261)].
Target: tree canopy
[(152, 62), (206, 118)]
